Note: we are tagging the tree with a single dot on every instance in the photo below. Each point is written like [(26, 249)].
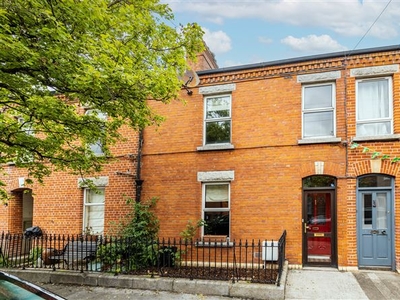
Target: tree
[(57, 56)]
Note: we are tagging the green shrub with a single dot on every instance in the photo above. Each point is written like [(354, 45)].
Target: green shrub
[(136, 247), (35, 254)]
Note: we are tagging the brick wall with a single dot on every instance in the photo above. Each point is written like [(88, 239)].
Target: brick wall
[(58, 202), (269, 164)]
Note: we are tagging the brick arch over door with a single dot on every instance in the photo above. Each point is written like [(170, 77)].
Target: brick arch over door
[(329, 169), (374, 166)]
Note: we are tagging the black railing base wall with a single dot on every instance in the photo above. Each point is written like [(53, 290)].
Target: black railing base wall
[(260, 261)]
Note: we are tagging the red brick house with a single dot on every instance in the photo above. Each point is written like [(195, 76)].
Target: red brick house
[(63, 206), (262, 148), (255, 150)]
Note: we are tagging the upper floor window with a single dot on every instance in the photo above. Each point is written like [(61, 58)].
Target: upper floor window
[(374, 106), (97, 147), (217, 120), (26, 126), (319, 110)]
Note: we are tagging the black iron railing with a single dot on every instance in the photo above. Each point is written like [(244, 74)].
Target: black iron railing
[(258, 261)]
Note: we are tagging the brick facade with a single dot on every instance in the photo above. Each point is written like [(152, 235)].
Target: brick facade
[(266, 162), (269, 158), (58, 202)]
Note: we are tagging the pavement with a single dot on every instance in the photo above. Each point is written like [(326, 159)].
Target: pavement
[(327, 283), (296, 284)]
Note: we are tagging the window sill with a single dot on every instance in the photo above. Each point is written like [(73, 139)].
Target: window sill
[(388, 137), (319, 141), (203, 244), (227, 146)]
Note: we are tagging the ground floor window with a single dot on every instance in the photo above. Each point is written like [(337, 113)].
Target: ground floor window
[(93, 213), (216, 208)]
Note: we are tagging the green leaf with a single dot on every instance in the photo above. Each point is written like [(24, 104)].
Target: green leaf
[(58, 57), (395, 159), (375, 155), (354, 145), (365, 150)]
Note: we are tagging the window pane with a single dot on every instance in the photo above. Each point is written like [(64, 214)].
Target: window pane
[(373, 99), (217, 223), (319, 181), (381, 215), (367, 208), (318, 124), (217, 196), (218, 132), (374, 129), (94, 211), (218, 107), (97, 148), (95, 196), (26, 126), (318, 96), (375, 181), (94, 218)]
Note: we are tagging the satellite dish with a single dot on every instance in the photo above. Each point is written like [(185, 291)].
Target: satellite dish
[(190, 80)]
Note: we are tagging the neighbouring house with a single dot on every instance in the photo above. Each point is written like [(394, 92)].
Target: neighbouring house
[(254, 150), (261, 148), (62, 205)]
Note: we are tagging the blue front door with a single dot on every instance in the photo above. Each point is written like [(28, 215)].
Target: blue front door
[(375, 228)]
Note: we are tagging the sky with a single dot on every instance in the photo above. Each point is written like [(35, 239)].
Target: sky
[(241, 32)]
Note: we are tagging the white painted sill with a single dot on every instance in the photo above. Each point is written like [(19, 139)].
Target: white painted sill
[(319, 141), (214, 147)]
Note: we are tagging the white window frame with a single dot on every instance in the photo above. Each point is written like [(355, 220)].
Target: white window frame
[(222, 209), (94, 147), (97, 229), (316, 110), (390, 108), (217, 119)]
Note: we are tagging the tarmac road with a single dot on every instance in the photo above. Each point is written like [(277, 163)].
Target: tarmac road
[(306, 283), (75, 292)]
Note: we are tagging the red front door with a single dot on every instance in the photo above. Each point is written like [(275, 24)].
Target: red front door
[(317, 229)]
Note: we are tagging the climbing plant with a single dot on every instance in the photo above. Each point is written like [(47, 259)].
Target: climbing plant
[(374, 154)]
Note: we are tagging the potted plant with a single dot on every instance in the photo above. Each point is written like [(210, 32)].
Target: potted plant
[(88, 234)]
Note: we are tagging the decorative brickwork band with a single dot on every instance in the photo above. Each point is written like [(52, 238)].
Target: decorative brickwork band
[(374, 166), (321, 168)]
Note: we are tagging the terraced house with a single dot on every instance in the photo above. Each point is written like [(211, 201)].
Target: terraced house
[(255, 150), (282, 145)]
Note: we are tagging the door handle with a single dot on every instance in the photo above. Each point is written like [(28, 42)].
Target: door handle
[(306, 227), (383, 232)]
